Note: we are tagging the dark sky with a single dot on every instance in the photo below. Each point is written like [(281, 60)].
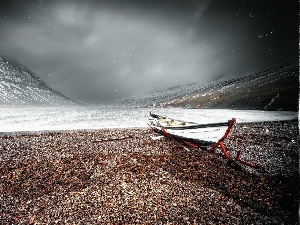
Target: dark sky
[(95, 51)]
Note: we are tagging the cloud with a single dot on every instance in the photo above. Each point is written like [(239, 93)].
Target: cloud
[(92, 50), (100, 50), (96, 52)]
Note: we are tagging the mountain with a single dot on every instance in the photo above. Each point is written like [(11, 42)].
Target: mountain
[(273, 89), (20, 87)]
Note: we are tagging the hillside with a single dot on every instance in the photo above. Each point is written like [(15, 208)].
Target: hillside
[(157, 99), (20, 87), (273, 89)]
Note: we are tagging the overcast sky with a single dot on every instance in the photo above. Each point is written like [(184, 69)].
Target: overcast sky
[(94, 51)]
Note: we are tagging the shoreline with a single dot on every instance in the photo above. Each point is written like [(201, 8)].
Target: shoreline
[(111, 176), (44, 132), (29, 132)]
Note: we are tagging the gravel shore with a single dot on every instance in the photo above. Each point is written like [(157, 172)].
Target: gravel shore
[(134, 176)]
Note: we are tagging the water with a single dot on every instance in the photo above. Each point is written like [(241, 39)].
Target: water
[(78, 118)]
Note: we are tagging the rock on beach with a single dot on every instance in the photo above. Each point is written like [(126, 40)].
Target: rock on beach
[(133, 176)]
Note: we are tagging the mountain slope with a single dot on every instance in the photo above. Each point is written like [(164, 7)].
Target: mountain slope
[(273, 89), (19, 86)]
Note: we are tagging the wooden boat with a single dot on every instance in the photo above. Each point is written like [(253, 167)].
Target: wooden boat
[(204, 136)]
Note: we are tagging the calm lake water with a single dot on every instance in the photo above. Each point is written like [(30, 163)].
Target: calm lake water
[(99, 117)]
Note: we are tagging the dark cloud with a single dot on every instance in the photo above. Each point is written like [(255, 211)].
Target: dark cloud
[(100, 50)]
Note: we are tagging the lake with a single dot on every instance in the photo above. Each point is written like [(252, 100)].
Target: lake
[(99, 117)]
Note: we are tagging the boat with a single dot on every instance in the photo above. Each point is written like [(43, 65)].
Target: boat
[(204, 136), (200, 134)]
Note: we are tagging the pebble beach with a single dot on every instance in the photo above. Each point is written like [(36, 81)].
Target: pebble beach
[(136, 176)]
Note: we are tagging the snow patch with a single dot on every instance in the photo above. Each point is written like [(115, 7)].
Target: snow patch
[(272, 101)]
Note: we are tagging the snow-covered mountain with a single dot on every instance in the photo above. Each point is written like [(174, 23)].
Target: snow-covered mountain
[(273, 89), (20, 87)]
